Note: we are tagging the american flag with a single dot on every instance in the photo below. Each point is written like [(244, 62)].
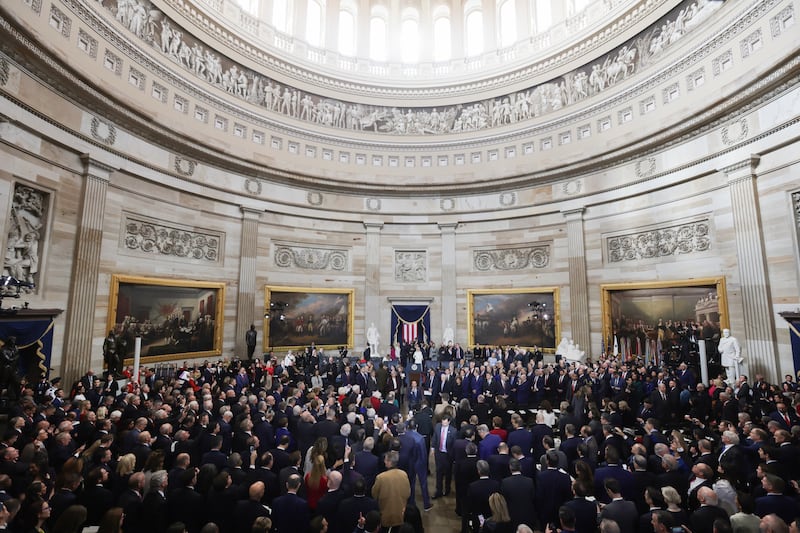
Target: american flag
[(410, 332)]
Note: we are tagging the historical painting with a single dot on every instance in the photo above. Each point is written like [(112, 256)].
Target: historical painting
[(176, 319), (525, 317), (295, 317), (668, 317)]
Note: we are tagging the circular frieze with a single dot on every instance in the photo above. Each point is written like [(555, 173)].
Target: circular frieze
[(314, 198), (184, 167), (284, 257), (104, 132), (645, 167), (735, 132), (447, 204), (252, 186), (507, 199), (374, 204), (572, 188)]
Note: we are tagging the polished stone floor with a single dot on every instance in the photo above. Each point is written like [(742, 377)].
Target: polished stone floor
[(442, 518)]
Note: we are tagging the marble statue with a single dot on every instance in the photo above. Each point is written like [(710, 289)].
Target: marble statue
[(730, 354), (373, 340), (562, 347), (447, 338)]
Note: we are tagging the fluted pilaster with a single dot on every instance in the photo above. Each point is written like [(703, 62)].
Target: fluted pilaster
[(88, 242), (758, 344), (578, 291), (372, 282), (449, 315), (246, 299)]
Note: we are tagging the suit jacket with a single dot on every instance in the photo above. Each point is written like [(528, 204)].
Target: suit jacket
[(641, 480), (366, 464), (585, 514), (624, 513), (391, 491), (703, 518), (498, 466), (553, 488), (437, 435), (488, 446), (131, 503), (351, 508), (692, 503), (523, 438), (478, 496), (784, 506), (246, 512), (624, 477), (520, 493), (154, 507), (97, 501), (328, 506), (290, 514), (538, 432), (188, 506)]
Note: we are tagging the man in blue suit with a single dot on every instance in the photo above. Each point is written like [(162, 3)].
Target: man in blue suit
[(553, 489), (489, 442), (419, 464), (613, 469), (520, 436), (290, 512), (776, 502)]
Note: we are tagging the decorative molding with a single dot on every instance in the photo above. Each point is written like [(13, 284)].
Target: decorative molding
[(750, 163), (184, 167), (784, 19), (103, 131), (572, 187), (157, 238), (60, 21), (373, 204), (506, 259), (314, 198), (310, 258), (35, 5), (735, 132), (4, 71), (410, 266), (660, 242), (645, 167)]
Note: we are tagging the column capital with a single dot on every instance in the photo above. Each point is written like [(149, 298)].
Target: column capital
[(96, 169), (373, 226), (248, 213), (447, 227), (740, 169), (574, 214)]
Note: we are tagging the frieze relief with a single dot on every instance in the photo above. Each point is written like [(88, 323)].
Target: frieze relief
[(410, 266), (310, 258), (660, 242), (505, 259), (156, 238), (159, 31), (25, 238)]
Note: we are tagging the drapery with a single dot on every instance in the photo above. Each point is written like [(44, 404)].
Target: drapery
[(35, 343), (418, 315)]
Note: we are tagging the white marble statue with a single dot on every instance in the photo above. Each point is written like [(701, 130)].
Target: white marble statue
[(563, 346), (574, 353), (730, 354), (448, 336), (373, 340)]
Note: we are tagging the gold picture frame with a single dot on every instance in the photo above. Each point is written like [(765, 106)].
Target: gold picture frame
[(641, 304), (528, 317), (295, 317), (176, 318)]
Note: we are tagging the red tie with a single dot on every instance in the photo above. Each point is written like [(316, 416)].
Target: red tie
[(786, 417)]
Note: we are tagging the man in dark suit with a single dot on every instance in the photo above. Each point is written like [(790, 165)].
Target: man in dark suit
[(131, 502), (246, 511), (478, 495), (585, 510), (702, 477), (95, 497), (442, 441), (520, 436), (328, 505), (419, 465), (613, 469), (672, 477), (264, 473), (538, 432), (776, 502), (570, 443), (154, 506), (703, 518), (215, 455), (621, 511), (465, 472), (290, 512), (185, 504), (655, 503), (498, 463), (553, 488), (642, 478), (652, 435), (520, 494), (660, 401), (782, 415), (359, 504)]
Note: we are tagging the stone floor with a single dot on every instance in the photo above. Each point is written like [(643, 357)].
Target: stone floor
[(442, 518)]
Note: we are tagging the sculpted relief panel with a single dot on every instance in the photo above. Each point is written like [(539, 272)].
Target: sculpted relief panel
[(151, 237), (310, 258), (24, 241), (660, 242), (410, 266), (505, 259), (154, 27)]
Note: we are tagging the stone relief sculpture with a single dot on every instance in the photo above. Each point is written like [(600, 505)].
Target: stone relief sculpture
[(26, 230), (151, 25), (154, 238), (410, 267), (661, 242)]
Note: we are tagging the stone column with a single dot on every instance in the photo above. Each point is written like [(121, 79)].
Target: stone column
[(449, 315), (246, 299), (758, 338), (372, 289), (82, 305), (578, 292)]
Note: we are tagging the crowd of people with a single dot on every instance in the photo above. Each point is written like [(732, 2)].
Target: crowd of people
[(310, 443)]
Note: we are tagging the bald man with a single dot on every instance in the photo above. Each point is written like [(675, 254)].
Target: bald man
[(703, 518), (248, 510)]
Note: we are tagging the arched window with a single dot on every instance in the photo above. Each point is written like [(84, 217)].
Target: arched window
[(442, 49), (314, 27), (544, 15), (377, 38), (507, 19), (409, 30), (347, 33), (474, 33), (281, 15)]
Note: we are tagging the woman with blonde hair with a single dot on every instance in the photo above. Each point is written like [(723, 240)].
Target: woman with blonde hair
[(673, 501), (316, 482), (500, 522), (122, 474)]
